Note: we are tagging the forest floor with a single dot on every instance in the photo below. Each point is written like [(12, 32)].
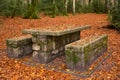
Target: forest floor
[(15, 69)]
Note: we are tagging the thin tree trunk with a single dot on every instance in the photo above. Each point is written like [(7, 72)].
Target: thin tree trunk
[(66, 5), (32, 11), (81, 2), (54, 9), (86, 2), (90, 1), (73, 6)]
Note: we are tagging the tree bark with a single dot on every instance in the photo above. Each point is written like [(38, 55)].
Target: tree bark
[(73, 6), (66, 5), (53, 9)]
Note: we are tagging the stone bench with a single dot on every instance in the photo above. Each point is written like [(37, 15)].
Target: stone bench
[(19, 46), (82, 53)]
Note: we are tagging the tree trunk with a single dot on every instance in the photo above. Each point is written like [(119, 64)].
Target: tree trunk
[(86, 2), (53, 9), (73, 6), (32, 11), (81, 2), (106, 8), (66, 6)]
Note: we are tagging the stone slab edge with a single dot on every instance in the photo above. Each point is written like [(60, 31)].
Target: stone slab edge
[(54, 33), (15, 40), (77, 46)]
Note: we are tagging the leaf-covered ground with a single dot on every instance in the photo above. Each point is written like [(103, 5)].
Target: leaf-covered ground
[(15, 69)]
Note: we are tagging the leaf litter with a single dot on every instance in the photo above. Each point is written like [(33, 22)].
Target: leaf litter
[(20, 69)]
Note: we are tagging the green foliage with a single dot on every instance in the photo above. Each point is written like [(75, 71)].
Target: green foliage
[(18, 8), (61, 7), (98, 6), (11, 7), (46, 7), (72, 56), (32, 10), (53, 9), (115, 16), (87, 8), (106, 9), (70, 6)]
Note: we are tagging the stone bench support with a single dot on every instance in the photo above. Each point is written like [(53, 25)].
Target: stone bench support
[(19, 46), (82, 53), (47, 48)]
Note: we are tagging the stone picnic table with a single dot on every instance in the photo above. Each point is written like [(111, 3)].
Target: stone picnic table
[(48, 44)]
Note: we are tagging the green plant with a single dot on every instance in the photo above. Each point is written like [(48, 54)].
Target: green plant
[(70, 6), (54, 9), (72, 57), (78, 7), (114, 17), (32, 9), (87, 8), (11, 8), (46, 7), (63, 8), (98, 6)]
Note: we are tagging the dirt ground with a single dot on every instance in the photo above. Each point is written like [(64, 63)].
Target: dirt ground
[(14, 69)]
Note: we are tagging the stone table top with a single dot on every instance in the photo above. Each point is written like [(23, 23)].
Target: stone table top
[(54, 32)]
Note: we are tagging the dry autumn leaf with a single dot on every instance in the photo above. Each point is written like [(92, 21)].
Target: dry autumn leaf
[(13, 28)]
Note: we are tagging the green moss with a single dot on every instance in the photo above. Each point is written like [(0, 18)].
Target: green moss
[(105, 40), (14, 45), (34, 35), (40, 43), (9, 44), (72, 56), (91, 48), (87, 49)]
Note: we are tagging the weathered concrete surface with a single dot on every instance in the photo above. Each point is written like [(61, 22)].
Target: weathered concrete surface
[(82, 53), (56, 32), (48, 45), (47, 48), (19, 46)]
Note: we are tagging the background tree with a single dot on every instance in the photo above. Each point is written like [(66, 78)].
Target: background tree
[(11, 8), (65, 7), (32, 9), (115, 16), (54, 9), (73, 6)]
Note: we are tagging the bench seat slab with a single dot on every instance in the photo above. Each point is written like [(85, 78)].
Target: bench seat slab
[(19, 46)]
